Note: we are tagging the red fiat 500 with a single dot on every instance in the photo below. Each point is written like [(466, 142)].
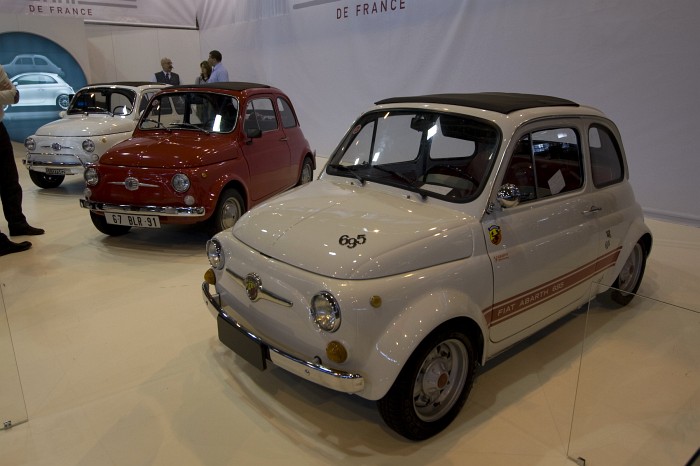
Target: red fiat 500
[(204, 153)]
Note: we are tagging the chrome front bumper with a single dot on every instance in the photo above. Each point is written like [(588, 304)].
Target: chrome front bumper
[(68, 168), (321, 375), (143, 210)]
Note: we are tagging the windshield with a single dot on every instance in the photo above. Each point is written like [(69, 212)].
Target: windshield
[(439, 155), (195, 111), (103, 100)]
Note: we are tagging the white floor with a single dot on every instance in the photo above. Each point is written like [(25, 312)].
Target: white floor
[(120, 365)]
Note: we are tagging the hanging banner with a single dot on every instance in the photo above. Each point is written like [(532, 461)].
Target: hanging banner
[(132, 12)]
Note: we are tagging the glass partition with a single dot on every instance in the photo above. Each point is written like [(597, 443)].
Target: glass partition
[(13, 411), (638, 394)]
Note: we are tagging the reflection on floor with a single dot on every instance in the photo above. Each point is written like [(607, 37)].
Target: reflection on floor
[(120, 365)]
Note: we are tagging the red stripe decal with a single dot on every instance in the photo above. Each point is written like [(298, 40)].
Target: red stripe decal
[(511, 307)]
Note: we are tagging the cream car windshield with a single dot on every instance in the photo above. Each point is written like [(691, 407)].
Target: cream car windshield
[(192, 111), (106, 100), (440, 155)]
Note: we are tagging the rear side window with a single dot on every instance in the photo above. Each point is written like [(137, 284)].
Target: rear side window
[(286, 113), (606, 157), (546, 163)]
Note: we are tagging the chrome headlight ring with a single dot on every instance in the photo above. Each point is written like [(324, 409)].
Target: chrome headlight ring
[(180, 183), (89, 145), (216, 258), (30, 144), (91, 176), (325, 311)]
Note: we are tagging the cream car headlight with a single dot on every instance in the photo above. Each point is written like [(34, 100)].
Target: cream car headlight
[(30, 143), (180, 183), (88, 145), (216, 258), (325, 311), (91, 176)]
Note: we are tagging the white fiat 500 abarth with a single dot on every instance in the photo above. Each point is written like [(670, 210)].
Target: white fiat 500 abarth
[(98, 117), (444, 229)]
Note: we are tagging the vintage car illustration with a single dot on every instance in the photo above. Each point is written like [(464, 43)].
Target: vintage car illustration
[(37, 90), (443, 230), (31, 62), (200, 153), (99, 116)]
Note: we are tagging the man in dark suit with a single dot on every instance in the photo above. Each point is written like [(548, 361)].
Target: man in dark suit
[(167, 76)]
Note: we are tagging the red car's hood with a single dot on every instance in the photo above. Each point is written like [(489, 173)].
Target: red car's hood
[(187, 149)]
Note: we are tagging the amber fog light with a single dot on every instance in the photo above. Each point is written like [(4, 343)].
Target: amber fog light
[(336, 352), (210, 277), (189, 200)]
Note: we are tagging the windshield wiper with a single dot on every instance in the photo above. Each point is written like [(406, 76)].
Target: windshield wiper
[(158, 123), (96, 110), (350, 169), (187, 126), (410, 184)]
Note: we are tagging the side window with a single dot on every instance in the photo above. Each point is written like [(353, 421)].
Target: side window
[(546, 163), (606, 157), (39, 61), (260, 114), (145, 98), (286, 113)]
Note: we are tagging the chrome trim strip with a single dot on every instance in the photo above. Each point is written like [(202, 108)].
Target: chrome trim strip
[(335, 380), (141, 185), (143, 210), (262, 293)]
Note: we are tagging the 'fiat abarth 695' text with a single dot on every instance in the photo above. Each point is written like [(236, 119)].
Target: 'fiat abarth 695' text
[(444, 229), (200, 153)]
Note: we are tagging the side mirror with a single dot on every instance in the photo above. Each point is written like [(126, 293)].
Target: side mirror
[(508, 196), (253, 133)]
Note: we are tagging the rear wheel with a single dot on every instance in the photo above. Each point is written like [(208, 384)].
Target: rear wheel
[(307, 172), (432, 387), (46, 181), (630, 277), (62, 101), (107, 228), (228, 210)]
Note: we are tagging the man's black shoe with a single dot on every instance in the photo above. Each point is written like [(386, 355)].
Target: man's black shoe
[(25, 230), (8, 247)]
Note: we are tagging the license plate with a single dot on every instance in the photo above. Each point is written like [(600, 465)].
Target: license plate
[(251, 350), (55, 171), (129, 220)]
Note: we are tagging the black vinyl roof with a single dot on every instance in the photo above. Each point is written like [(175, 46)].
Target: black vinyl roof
[(124, 83), (231, 86), (501, 102)]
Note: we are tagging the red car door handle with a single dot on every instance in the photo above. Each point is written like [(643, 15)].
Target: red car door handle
[(283, 139)]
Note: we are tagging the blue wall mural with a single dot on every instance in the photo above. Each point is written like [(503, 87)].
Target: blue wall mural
[(46, 76)]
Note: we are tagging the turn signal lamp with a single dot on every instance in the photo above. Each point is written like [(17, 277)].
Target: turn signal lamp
[(210, 277), (336, 352)]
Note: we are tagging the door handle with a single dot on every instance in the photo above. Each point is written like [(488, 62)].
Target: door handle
[(284, 139), (593, 209)]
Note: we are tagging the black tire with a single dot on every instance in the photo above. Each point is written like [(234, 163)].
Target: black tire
[(630, 277), (63, 101), (106, 228), (46, 181), (307, 172), (432, 387), (228, 210)]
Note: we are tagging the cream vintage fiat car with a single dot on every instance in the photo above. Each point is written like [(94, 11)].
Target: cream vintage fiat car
[(98, 117), (443, 230)]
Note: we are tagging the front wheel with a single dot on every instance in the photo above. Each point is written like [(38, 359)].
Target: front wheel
[(46, 181), (107, 228), (228, 210), (630, 277), (432, 387)]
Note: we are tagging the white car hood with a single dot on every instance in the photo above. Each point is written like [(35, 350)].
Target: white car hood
[(306, 226), (87, 125)]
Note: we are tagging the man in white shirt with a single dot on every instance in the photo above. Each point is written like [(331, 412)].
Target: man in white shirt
[(219, 73)]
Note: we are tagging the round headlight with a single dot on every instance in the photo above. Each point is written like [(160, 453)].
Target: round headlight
[(88, 145), (216, 259), (91, 176), (325, 311), (180, 183), (30, 143)]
